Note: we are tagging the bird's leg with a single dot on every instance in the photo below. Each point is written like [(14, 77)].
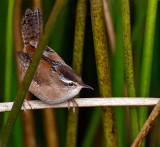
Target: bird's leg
[(75, 104), (68, 104)]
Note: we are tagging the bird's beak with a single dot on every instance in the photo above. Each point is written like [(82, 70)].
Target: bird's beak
[(86, 86)]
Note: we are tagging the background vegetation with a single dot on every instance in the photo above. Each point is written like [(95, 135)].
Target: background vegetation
[(139, 43)]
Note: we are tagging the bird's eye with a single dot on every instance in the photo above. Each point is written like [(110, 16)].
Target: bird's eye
[(70, 84)]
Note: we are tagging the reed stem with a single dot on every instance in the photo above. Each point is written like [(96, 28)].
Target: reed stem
[(77, 66), (128, 62), (103, 70)]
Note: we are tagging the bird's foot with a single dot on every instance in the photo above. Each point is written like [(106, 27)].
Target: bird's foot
[(75, 104)]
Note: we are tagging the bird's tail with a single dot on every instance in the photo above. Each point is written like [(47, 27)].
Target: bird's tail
[(31, 28)]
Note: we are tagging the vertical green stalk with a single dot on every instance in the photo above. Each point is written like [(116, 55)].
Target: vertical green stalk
[(3, 18), (7, 130), (50, 128), (17, 34), (10, 82), (118, 78), (9, 51), (156, 55), (93, 124), (79, 36), (77, 66), (128, 61), (103, 70), (155, 78), (137, 37), (145, 74)]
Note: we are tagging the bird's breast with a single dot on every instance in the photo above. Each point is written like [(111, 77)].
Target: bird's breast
[(52, 94)]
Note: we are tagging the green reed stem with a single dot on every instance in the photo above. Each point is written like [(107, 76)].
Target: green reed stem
[(118, 78), (77, 66), (146, 66), (7, 130), (137, 37), (10, 83), (128, 61), (9, 51), (93, 124), (103, 70)]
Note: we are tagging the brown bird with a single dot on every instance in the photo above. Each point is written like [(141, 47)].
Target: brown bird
[(54, 81)]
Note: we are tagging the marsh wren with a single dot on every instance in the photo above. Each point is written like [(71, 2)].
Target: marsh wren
[(54, 81)]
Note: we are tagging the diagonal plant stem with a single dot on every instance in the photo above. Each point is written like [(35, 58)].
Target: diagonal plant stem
[(103, 70), (147, 126), (128, 61), (77, 66), (7, 130)]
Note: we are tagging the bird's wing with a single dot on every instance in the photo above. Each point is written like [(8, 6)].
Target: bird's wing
[(24, 60), (51, 54), (45, 69)]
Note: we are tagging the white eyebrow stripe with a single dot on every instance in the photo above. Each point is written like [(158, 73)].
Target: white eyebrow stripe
[(63, 79)]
